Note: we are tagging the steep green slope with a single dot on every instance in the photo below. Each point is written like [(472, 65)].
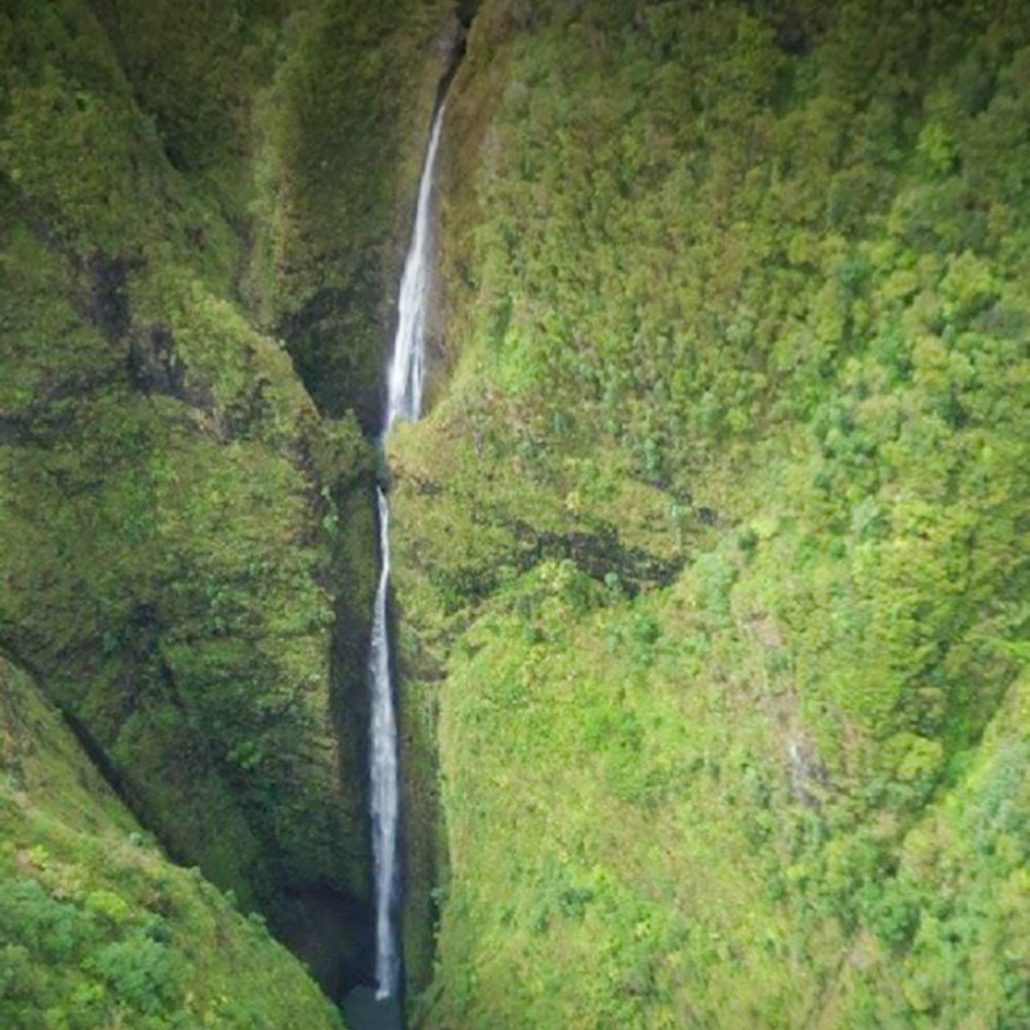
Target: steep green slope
[(710, 555), (97, 927), (188, 543), (166, 481)]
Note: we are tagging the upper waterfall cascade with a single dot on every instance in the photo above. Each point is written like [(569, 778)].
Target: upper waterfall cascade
[(407, 364), (404, 402)]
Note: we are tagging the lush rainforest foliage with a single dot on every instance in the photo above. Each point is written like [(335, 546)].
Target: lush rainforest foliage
[(713, 551)]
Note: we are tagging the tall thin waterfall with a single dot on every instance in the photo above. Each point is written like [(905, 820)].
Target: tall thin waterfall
[(407, 367)]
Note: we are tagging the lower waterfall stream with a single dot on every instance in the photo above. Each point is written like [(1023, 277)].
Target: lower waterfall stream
[(404, 402)]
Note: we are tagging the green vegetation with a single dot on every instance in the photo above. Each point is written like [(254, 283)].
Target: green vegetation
[(166, 477), (710, 557), (97, 927)]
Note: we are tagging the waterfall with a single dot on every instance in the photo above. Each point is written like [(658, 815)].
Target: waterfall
[(404, 401), (407, 365), (385, 803)]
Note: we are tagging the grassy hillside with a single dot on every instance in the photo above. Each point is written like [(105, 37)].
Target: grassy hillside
[(97, 927), (710, 554)]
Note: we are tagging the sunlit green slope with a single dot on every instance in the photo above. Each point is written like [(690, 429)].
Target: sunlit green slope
[(711, 554)]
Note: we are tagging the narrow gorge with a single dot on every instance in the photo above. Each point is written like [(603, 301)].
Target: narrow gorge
[(404, 401)]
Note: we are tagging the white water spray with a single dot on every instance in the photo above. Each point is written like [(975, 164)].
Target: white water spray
[(404, 401)]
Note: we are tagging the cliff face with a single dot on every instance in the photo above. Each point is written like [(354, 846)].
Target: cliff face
[(708, 556), (98, 927), (188, 539)]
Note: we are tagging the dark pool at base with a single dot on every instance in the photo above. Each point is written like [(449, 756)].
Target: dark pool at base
[(363, 1012)]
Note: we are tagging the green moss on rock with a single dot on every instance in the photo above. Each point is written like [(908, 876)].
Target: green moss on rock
[(347, 118)]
